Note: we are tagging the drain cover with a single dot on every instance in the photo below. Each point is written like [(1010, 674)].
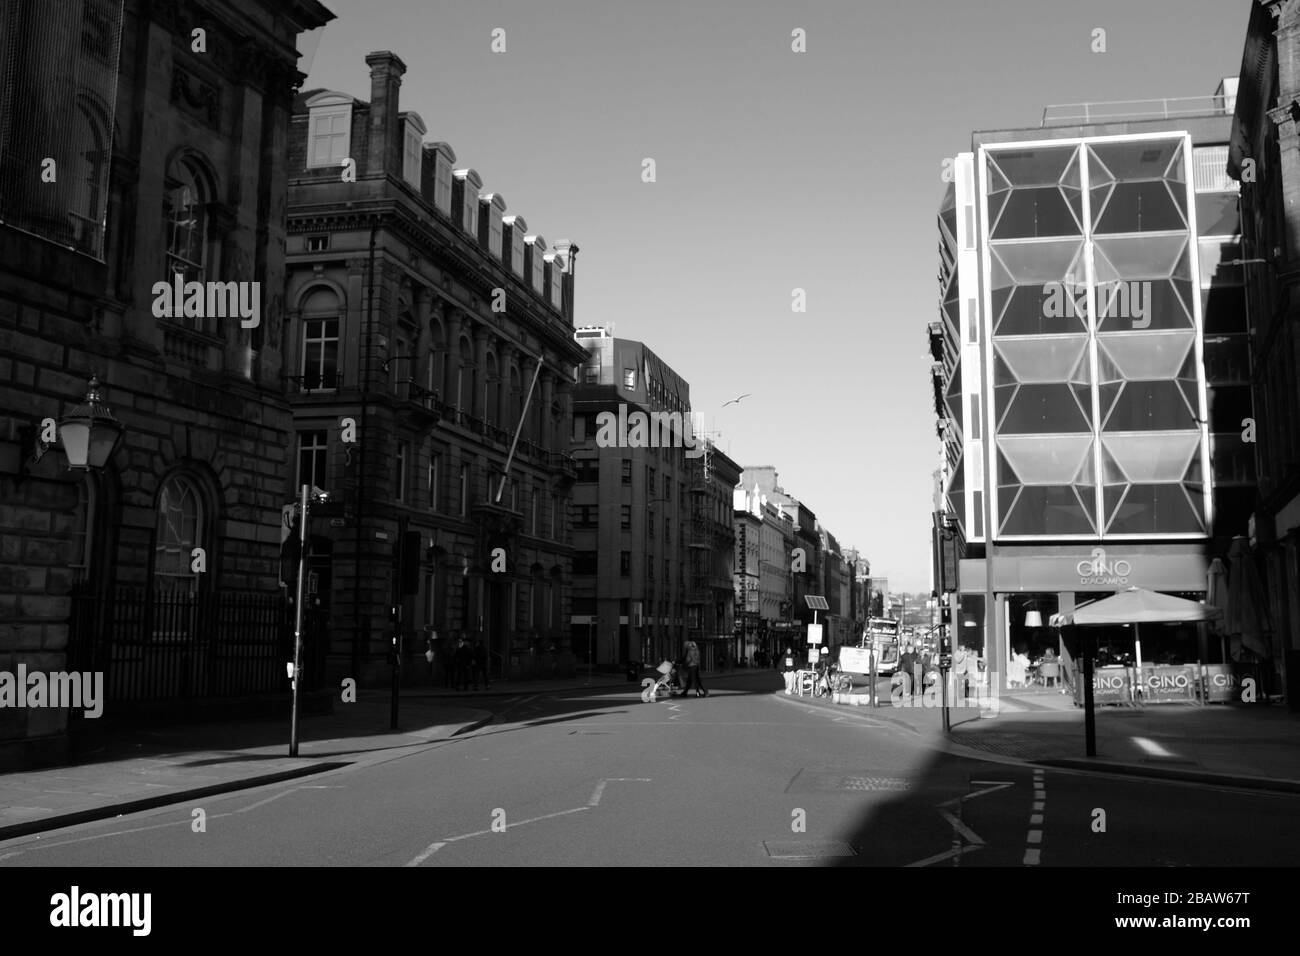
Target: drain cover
[(804, 850), (838, 781), (873, 783)]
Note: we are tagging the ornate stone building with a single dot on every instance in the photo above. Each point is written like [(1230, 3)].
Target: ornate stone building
[(140, 141), (424, 323)]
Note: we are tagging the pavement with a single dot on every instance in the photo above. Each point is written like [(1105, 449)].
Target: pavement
[(1253, 746), (136, 770)]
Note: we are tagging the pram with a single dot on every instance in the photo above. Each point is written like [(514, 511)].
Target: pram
[(668, 684)]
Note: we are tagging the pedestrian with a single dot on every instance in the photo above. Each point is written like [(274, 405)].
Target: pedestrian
[(693, 671), (907, 665), (789, 670), (463, 662), (959, 661), (480, 664)]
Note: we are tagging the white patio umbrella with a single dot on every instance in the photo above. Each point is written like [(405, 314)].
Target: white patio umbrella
[(1138, 606), (1135, 606)]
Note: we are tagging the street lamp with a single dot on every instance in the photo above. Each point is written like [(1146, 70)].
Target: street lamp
[(89, 433)]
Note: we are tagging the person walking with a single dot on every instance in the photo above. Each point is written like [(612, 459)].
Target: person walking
[(907, 666), (693, 671), (464, 661), (788, 659), (480, 664)]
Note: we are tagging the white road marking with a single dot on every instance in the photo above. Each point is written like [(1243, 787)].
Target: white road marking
[(429, 851), (1038, 805), (970, 835), (433, 848), (1032, 856), (262, 803), (958, 851), (1035, 836), (1151, 747), (600, 787), (1035, 819)]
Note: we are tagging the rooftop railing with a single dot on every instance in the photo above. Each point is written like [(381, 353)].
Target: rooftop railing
[(1071, 114)]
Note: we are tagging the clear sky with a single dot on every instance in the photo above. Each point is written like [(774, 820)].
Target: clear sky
[(775, 170)]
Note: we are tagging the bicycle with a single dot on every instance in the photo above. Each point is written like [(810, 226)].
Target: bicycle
[(829, 681)]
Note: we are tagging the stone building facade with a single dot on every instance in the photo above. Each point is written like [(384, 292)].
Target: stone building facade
[(419, 312), (139, 141)]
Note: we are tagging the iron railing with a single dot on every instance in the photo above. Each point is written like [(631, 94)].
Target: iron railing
[(155, 644), (1117, 111)]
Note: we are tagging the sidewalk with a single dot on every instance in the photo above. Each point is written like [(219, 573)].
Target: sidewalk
[(1251, 746), (143, 769), (578, 682)]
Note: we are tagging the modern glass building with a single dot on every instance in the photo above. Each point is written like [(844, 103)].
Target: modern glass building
[(1091, 373)]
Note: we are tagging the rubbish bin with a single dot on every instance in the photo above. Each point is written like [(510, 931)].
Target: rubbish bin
[(633, 670)]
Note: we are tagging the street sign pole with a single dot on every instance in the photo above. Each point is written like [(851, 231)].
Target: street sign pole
[(297, 622)]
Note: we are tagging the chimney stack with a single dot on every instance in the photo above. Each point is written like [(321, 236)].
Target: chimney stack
[(384, 156), (569, 250)]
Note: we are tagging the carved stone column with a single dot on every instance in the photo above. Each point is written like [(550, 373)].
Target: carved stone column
[(480, 373), (505, 355), (547, 383)]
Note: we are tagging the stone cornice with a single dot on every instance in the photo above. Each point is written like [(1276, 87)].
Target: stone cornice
[(540, 319)]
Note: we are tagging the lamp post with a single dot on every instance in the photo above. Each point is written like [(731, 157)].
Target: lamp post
[(303, 509)]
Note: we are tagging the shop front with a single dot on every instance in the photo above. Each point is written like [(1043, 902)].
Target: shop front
[(1007, 601)]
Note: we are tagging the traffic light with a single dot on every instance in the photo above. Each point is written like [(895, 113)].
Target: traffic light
[(410, 562), (945, 614)]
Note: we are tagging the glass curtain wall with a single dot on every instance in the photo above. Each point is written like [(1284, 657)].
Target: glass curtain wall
[(1094, 304)]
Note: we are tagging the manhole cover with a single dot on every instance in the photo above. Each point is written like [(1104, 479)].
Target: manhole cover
[(838, 781), (802, 850), (873, 783)]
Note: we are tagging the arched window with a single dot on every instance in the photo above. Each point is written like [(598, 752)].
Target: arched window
[(321, 319), (185, 223), (90, 187), (178, 533)]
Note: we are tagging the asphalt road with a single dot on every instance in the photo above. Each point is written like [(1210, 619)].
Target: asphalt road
[(739, 778)]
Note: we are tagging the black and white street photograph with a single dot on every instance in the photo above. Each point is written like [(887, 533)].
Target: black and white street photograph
[(867, 435)]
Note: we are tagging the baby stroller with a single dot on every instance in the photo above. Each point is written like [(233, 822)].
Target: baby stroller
[(668, 684)]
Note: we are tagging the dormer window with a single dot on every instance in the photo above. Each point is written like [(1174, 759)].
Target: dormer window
[(413, 149), (329, 129)]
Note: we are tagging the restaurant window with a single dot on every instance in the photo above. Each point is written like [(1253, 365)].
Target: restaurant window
[(626, 513), (627, 471), (464, 490), (625, 563)]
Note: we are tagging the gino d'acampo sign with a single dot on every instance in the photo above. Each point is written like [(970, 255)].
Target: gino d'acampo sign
[(1097, 570)]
